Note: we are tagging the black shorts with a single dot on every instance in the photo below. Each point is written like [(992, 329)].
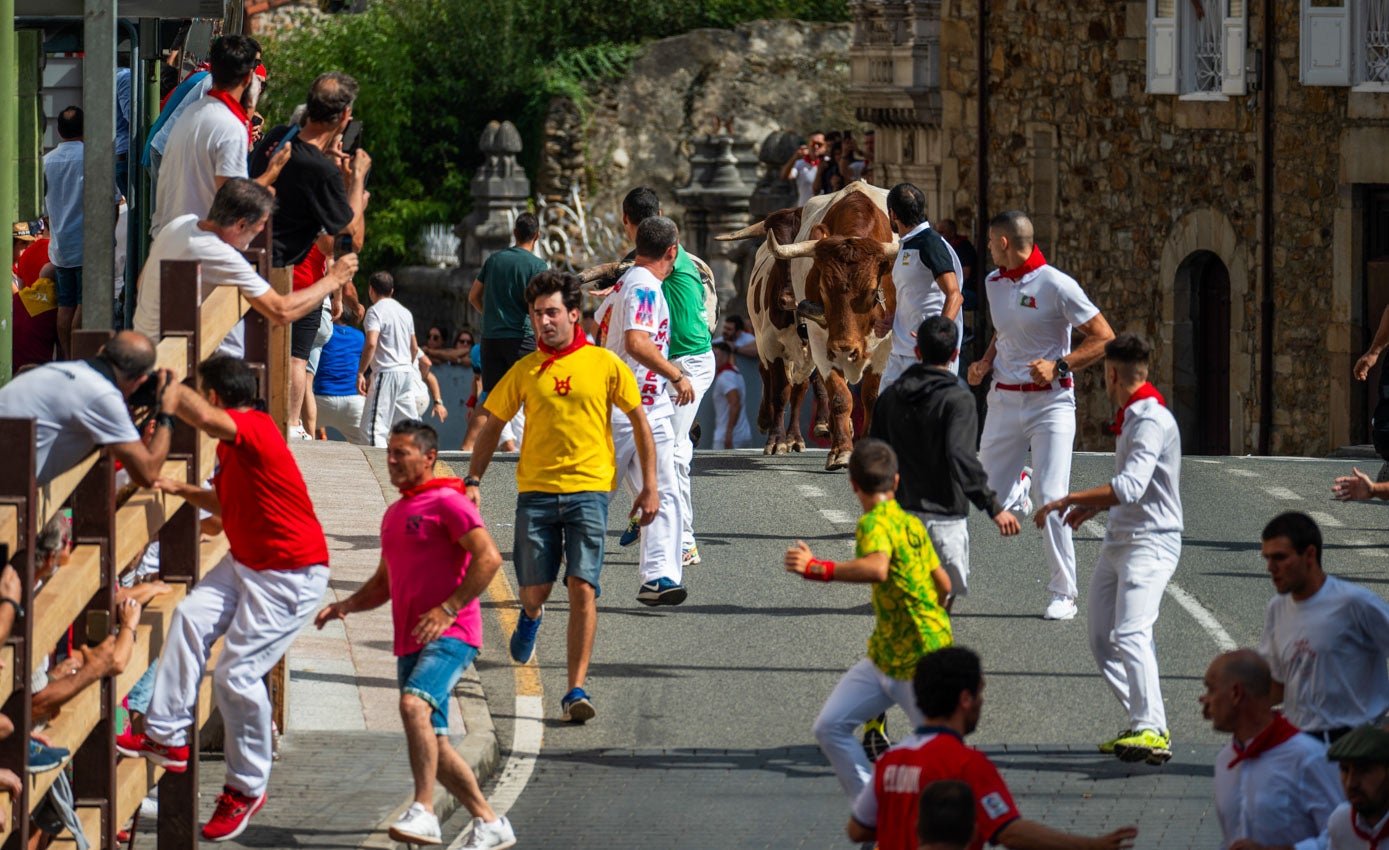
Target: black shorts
[(302, 333), (499, 355)]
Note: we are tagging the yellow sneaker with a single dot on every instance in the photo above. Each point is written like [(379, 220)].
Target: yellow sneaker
[(1145, 745), (1107, 747)]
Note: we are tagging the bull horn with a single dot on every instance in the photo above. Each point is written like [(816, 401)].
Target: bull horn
[(599, 272), (752, 231), (890, 249), (794, 251)]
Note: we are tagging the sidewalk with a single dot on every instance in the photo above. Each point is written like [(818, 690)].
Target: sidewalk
[(343, 769)]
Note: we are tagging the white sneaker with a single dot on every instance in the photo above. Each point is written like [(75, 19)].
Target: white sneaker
[(497, 835), (1061, 608), (416, 826), (149, 807), (297, 432), (1025, 484)]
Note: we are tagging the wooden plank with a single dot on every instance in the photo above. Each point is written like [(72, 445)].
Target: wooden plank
[(149, 639), (205, 689), (6, 674), (282, 279), (69, 729), (214, 549), (134, 779), (53, 494), (207, 456), (220, 312), (9, 527), (62, 599), (139, 520), (172, 354)]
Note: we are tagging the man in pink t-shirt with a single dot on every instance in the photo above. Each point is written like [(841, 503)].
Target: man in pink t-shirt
[(436, 559)]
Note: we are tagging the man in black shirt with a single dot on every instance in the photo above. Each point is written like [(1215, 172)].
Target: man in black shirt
[(321, 192)]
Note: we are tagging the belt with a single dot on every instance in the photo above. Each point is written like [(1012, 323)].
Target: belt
[(120, 157), (1328, 736), (1064, 383)]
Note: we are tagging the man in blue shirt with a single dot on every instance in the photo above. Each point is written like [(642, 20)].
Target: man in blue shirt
[(335, 383)]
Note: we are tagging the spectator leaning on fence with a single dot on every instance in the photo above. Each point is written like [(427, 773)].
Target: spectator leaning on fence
[(81, 404), (239, 213)]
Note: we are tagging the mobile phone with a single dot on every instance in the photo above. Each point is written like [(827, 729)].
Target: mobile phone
[(352, 136), (293, 131), (342, 245)]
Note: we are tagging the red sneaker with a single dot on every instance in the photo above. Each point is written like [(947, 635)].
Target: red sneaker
[(233, 813), (172, 759)]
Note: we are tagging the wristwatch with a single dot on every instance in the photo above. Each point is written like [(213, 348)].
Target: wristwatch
[(1062, 368), (165, 420), (471, 481), (438, 401)]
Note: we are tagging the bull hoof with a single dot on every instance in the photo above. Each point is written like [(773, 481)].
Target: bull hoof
[(769, 449), (837, 460), (783, 447), (798, 443), (822, 430), (812, 312)]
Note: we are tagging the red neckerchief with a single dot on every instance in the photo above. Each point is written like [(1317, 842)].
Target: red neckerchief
[(1034, 261), (811, 160), (237, 109), (1145, 391), (579, 341), (1274, 734), (727, 367), (1373, 840), (434, 484)]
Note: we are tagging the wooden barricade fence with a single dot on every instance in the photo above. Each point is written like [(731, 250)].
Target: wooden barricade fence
[(110, 532)]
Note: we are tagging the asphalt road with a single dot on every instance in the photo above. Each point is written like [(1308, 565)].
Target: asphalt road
[(703, 738)]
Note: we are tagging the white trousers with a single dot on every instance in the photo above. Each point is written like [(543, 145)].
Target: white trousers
[(1045, 424), (390, 399), (862, 694), (660, 541), (1125, 595), (899, 363), (700, 369), (259, 612), (950, 538), (343, 412)]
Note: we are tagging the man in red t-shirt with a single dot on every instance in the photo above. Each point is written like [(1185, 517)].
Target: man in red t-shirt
[(257, 598), (949, 686)]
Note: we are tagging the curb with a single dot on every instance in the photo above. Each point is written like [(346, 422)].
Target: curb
[(479, 747)]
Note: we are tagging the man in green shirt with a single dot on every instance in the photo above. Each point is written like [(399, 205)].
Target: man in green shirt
[(690, 350), (498, 294)]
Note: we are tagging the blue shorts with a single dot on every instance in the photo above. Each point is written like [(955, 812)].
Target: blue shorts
[(555, 527), (69, 285), (431, 673)]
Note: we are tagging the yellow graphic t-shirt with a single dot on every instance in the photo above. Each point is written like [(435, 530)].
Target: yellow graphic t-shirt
[(910, 619), (569, 402)]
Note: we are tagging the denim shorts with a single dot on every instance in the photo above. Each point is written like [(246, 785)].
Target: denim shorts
[(431, 673), (69, 284), (555, 527)]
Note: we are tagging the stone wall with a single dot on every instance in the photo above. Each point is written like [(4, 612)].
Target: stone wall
[(1110, 171), (765, 76)]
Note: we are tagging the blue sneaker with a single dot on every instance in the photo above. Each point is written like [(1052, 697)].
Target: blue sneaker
[(662, 591), (43, 758), (577, 707), (631, 535), (523, 639)]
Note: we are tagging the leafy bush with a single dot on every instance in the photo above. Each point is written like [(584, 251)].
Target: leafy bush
[(434, 72)]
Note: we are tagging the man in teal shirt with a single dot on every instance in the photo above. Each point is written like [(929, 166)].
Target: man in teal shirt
[(498, 294), (690, 350)]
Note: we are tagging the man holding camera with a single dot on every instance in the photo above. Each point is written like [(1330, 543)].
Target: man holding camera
[(321, 194), (83, 404)]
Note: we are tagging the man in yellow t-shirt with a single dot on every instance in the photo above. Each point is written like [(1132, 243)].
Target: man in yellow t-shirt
[(893, 551), (566, 471)]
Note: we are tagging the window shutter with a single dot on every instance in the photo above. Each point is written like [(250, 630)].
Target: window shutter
[(1162, 47), (1232, 44), (1325, 48)]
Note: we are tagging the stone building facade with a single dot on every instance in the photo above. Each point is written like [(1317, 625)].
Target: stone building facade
[(1154, 201)]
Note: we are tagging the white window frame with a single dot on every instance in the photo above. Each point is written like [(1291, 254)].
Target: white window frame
[(1174, 63), (1334, 48)]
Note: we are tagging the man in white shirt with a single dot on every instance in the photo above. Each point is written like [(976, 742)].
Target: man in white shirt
[(80, 405), (803, 167), (1142, 543), (389, 352), (927, 276), (239, 213), (1362, 822), (1326, 640), (731, 429), (1032, 402), (635, 322), (1273, 786), (210, 142), (736, 334)]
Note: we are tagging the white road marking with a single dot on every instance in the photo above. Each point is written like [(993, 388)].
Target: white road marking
[(1282, 493), (1326, 519), (1202, 460), (810, 491), (526, 737), (834, 515), (1243, 473), (1201, 615)]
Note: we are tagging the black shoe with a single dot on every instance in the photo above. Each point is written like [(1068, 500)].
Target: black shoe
[(875, 740), (695, 433)]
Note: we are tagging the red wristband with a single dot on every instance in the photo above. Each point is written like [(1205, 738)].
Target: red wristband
[(818, 570)]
